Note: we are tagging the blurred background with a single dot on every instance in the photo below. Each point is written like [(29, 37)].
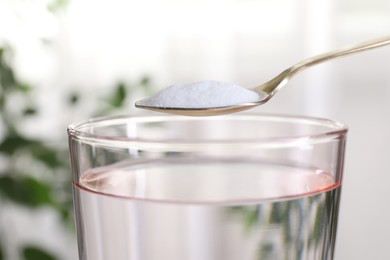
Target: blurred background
[(64, 60)]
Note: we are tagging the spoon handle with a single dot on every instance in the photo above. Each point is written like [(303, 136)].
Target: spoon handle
[(279, 81), (342, 52)]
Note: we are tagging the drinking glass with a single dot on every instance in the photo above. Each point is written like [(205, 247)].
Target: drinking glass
[(235, 187)]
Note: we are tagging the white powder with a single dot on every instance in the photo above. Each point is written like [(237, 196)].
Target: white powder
[(202, 94)]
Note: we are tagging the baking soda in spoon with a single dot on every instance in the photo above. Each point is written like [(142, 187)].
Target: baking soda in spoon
[(202, 94)]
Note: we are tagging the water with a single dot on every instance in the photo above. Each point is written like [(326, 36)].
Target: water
[(206, 211)]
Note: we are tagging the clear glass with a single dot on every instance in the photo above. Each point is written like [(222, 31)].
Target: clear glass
[(236, 187)]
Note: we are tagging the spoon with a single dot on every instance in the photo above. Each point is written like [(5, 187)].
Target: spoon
[(270, 88)]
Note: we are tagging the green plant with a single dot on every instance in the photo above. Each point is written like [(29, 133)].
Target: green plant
[(33, 172)]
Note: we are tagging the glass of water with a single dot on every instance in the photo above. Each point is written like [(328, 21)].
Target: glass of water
[(236, 187)]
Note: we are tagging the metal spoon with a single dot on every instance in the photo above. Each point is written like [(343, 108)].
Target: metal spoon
[(269, 89)]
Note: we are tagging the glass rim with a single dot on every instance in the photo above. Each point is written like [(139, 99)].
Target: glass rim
[(334, 129)]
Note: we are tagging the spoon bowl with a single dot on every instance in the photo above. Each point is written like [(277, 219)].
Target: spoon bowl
[(269, 89), (206, 111)]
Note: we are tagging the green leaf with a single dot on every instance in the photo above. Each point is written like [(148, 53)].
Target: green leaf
[(73, 99), (29, 111), (46, 155), (15, 142), (146, 86), (145, 81), (266, 250), (24, 87), (35, 253), (65, 211), (38, 150), (119, 96), (7, 77), (8, 80), (26, 191), (1, 253), (251, 217), (56, 5), (277, 213)]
